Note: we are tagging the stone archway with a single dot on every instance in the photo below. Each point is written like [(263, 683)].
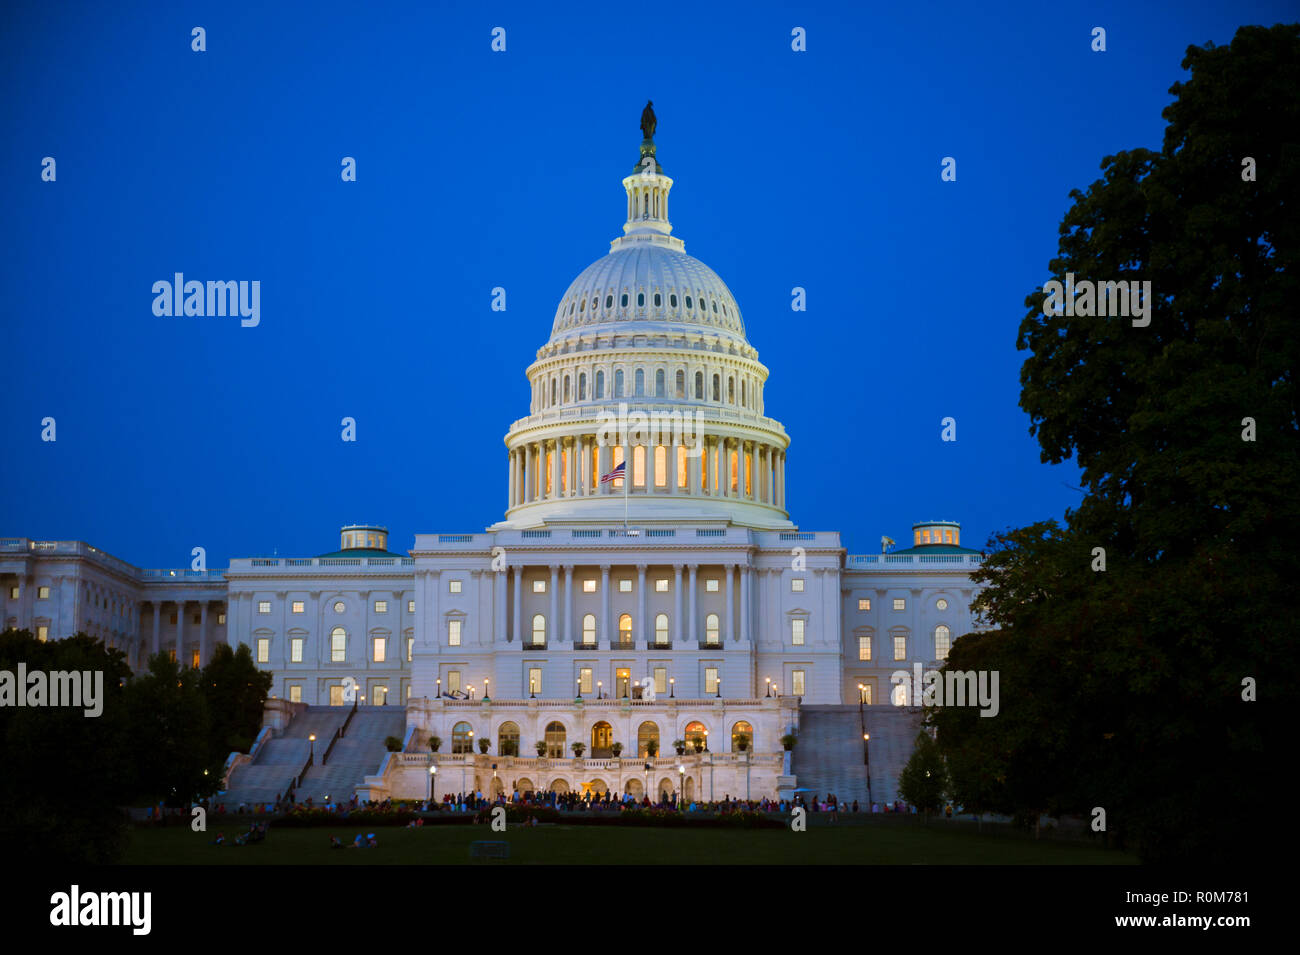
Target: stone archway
[(559, 786), (666, 788), (634, 787)]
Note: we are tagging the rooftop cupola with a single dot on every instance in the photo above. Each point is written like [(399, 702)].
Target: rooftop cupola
[(647, 195)]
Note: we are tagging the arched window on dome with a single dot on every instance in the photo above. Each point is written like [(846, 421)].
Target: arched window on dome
[(681, 384), (571, 306), (566, 389), (582, 305), (743, 404), (640, 299), (623, 300), (618, 383), (717, 387), (660, 386), (553, 391), (609, 301), (640, 382), (699, 386), (731, 390), (672, 300), (658, 300), (582, 386), (688, 301), (715, 306), (600, 384)]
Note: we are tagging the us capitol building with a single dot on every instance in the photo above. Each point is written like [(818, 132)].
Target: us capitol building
[(645, 589)]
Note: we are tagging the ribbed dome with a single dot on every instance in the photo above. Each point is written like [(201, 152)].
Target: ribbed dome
[(648, 284)]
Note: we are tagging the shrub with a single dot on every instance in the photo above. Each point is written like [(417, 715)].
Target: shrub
[(393, 744)]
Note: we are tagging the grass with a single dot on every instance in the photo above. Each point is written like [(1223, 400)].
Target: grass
[(864, 842)]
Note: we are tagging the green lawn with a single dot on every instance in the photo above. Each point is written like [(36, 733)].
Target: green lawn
[(442, 845)]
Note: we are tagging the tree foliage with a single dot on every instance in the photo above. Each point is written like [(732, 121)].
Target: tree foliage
[(924, 780)]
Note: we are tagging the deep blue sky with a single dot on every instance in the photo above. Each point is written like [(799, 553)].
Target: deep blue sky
[(478, 169)]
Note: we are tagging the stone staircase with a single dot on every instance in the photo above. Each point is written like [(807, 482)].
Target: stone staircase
[(828, 757), (281, 758), (357, 755)]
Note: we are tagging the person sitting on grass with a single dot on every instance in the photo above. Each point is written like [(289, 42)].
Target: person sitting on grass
[(371, 841), (336, 842), (220, 840)]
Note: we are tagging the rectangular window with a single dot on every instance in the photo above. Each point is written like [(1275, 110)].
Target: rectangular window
[(539, 586), (42, 633), (588, 586), (381, 606), (264, 606), (711, 585), (42, 593), (453, 681), (534, 680), (796, 682), (661, 585), (661, 680), (338, 646), (410, 608), (453, 586), (173, 618), (380, 649), (900, 603), (221, 619), (263, 650), (295, 693), (900, 648), (196, 618), (453, 633), (796, 585), (299, 607), (622, 683), (194, 658), (295, 650), (171, 654), (584, 678), (864, 603), (710, 680), (796, 631), (410, 648), (625, 586), (864, 648), (13, 593), (336, 696)]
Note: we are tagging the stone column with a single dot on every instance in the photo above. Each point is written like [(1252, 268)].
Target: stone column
[(500, 580), (527, 495), (555, 470), (568, 601), (157, 624), (510, 495), (692, 631), (519, 600), (552, 625), (640, 604), (180, 634), (744, 603), (678, 623), (730, 632), (604, 455), (204, 656), (604, 634)]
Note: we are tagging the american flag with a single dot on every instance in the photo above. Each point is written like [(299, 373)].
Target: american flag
[(614, 474)]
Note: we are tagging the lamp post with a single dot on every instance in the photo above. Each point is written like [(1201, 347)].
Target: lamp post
[(600, 690), (706, 741), (532, 688), (672, 687), (579, 687), (439, 695), (464, 761), (866, 738), (647, 779), (312, 747), (681, 788), (433, 780), (767, 680), (486, 688)]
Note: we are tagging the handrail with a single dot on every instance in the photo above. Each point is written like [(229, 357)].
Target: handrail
[(339, 734)]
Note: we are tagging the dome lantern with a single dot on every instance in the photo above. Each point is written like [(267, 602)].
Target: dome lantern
[(647, 196)]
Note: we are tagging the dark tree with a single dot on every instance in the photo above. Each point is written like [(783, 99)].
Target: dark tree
[(235, 690)]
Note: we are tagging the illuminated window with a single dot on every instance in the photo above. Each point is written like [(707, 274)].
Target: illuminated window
[(336, 696), (625, 586), (589, 629), (864, 603), (171, 654), (711, 585), (453, 681), (263, 650), (462, 738), (638, 465), (295, 693), (661, 629), (681, 466), (796, 682), (508, 739), (539, 586), (555, 740), (900, 603), (381, 695), (194, 658), (13, 593), (410, 606), (379, 649), (661, 680), (796, 585), (539, 630), (941, 604), (338, 645), (661, 585), (453, 633), (864, 694), (299, 607), (295, 650), (742, 730), (625, 630), (900, 648), (43, 633), (796, 631), (864, 648), (661, 464), (695, 737), (584, 679), (942, 642), (42, 593), (712, 633), (589, 586), (710, 680), (381, 606), (453, 586), (735, 483), (410, 648), (339, 606), (264, 606), (617, 483), (221, 618)]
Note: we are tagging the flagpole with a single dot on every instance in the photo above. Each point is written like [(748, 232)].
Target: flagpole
[(625, 479)]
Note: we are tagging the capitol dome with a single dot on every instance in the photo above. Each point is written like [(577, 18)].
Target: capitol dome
[(649, 332)]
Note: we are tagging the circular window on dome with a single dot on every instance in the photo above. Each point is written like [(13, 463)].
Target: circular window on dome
[(624, 300), (640, 299), (688, 301), (658, 300), (672, 300), (609, 301), (339, 606)]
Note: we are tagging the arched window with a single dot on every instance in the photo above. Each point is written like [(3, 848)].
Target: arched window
[(552, 391), (699, 386), (742, 732), (600, 384), (695, 737), (742, 393), (609, 301), (555, 740), (625, 630), (660, 386), (658, 300), (623, 300), (338, 645), (661, 630), (640, 299), (589, 629), (602, 737), (582, 386), (672, 300), (618, 383), (566, 389), (731, 390), (688, 301), (681, 384), (717, 387), (462, 738), (715, 306), (942, 642), (508, 740), (647, 733), (582, 306), (712, 632), (661, 466), (640, 381), (539, 630)]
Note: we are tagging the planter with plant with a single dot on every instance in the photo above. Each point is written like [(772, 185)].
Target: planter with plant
[(392, 744), (540, 746), (742, 742), (652, 748), (788, 741), (616, 749), (434, 743), (578, 749), (680, 746), (483, 744)]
